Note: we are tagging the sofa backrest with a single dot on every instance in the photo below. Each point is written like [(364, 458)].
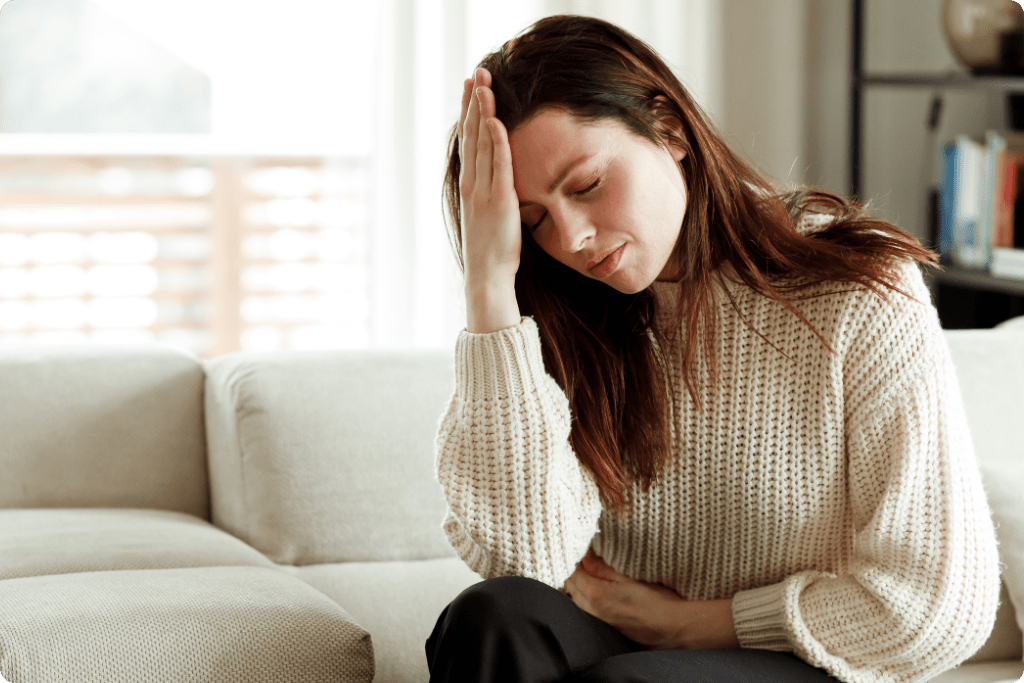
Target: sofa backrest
[(320, 457), (93, 426), (990, 370)]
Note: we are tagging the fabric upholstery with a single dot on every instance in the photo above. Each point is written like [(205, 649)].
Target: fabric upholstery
[(1005, 642), (91, 426), (398, 602), (985, 672), (328, 456), (205, 625), (1004, 483), (994, 399), (1013, 323), (38, 542)]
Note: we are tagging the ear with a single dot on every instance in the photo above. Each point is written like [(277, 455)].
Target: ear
[(672, 125)]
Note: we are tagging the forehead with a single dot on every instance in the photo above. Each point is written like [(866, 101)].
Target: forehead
[(548, 141)]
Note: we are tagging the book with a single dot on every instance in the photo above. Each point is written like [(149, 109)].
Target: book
[(961, 206), (1002, 235), (992, 171), (978, 191), (1007, 262)]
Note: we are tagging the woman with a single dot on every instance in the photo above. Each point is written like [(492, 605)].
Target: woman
[(701, 430)]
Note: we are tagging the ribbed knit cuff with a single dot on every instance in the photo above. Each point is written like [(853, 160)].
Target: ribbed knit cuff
[(498, 365), (759, 616)]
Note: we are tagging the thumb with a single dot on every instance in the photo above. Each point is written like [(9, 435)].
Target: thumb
[(598, 568)]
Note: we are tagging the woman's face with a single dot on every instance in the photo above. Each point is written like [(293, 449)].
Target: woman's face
[(599, 198)]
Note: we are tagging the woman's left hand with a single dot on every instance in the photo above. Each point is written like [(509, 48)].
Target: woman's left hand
[(649, 613)]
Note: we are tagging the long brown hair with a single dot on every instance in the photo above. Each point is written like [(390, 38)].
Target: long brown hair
[(602, 346)]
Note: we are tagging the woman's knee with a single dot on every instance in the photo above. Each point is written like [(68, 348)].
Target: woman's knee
[(503, 602)]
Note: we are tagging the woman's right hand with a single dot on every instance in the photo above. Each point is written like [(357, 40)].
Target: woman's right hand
[(491, 233)]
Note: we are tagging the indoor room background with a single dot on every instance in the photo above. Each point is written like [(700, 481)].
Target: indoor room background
[(223, 175)]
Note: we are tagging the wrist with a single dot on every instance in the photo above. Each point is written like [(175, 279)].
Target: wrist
[(491, 305), (705, 625)]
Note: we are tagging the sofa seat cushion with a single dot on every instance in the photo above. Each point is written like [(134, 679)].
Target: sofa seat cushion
[(46, 541), (983, 672), (208, 624), (397, 602)]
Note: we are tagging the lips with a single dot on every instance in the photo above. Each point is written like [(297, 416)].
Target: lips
[(607, 264)]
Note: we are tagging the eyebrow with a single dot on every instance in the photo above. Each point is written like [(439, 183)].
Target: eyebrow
[(560, 178)]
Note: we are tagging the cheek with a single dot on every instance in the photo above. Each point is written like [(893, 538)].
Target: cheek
[(545, 239)]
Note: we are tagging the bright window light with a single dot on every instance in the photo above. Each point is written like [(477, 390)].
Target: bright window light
[(58, 314), (57, 247), (14, 249), (294, 213), (56, 281), (122, 280), (14, 315), (288, 245), (13, 282), (284, 181), (121, 312), (129, 247), (194, 182)]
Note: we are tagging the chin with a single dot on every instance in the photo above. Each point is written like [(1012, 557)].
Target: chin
[(631, 286)]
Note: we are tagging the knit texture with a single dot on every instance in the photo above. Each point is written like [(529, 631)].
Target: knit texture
[(834, 497)]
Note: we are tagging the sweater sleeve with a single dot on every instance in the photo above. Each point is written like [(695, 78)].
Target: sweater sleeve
[(519, 501), (922, 585)]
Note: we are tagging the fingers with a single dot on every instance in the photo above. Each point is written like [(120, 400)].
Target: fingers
[(502, 180), (483, 77), (576, 590), (598, 568), (483, 138), (467, 95), (484, 143), (470, 139)]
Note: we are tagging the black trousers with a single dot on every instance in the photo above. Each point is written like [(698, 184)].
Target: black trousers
[(519, 630)]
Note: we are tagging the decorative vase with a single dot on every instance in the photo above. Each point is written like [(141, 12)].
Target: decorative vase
[(982, 34)]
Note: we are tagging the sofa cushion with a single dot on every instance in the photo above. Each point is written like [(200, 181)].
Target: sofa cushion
[(328, 456), (984, 672), (215, 625), (93, 426), (38, 542), (1005, 641), (990, 370), (1004, 484), (392, 601)]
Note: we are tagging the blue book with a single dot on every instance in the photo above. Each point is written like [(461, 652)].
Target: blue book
[(963, 189), (947, 197)]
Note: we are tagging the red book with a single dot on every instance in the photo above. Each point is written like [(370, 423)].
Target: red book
[(1002, 233)]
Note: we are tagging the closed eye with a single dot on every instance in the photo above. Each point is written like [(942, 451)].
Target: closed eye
[(532, 228), (589, 189)]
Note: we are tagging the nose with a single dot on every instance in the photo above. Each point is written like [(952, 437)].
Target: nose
[(574, 229)]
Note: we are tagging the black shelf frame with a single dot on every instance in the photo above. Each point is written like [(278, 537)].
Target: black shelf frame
[(859, 80), (950, 276), (969, 278)]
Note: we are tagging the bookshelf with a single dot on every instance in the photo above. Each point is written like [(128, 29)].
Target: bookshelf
[(965, 298)]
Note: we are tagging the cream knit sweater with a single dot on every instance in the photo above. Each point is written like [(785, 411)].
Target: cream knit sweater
[(834, 497)]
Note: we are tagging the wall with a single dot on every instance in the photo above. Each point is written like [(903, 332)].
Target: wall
[(763, 52)]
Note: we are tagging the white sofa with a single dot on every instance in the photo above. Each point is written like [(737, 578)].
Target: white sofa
[(274, 517)]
